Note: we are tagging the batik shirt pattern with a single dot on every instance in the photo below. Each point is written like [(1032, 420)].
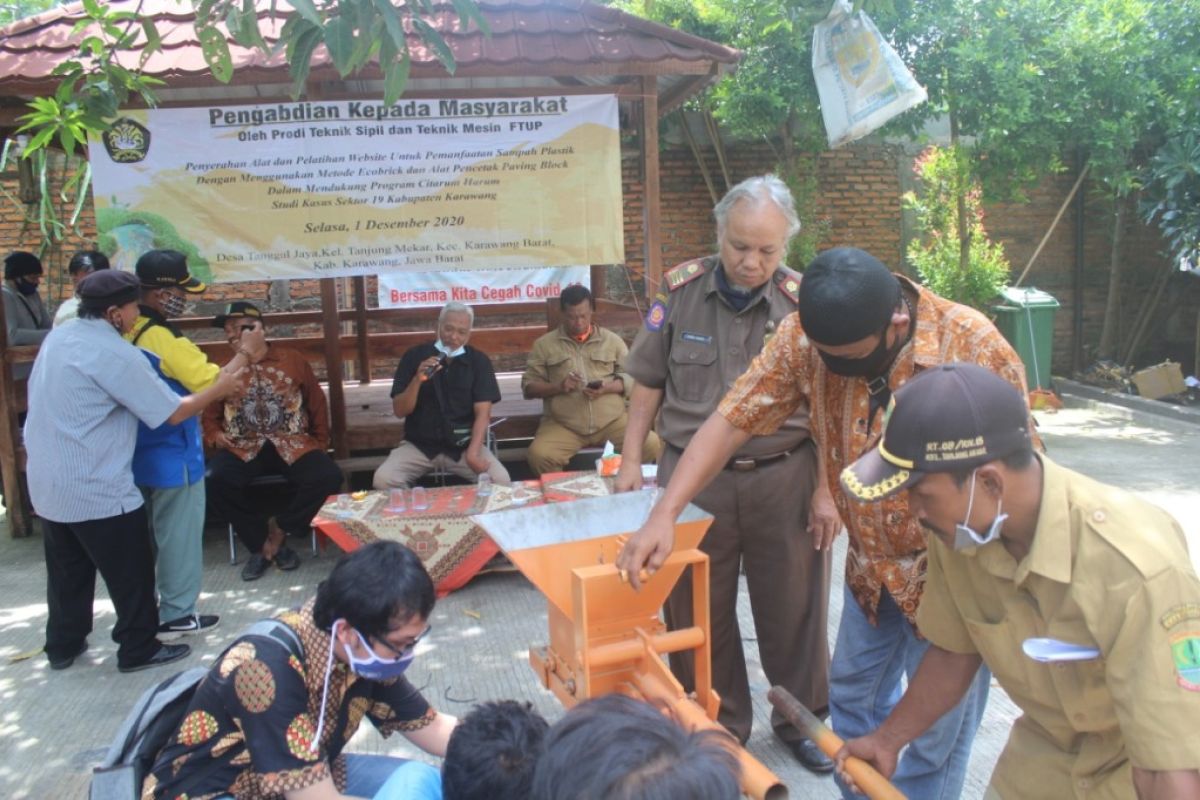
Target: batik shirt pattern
[(250, 730), (887, 545)]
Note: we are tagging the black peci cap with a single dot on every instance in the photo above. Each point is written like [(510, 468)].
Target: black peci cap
[(238, 309), (846, 295), (19, 263), (948, 418), (107, 288)]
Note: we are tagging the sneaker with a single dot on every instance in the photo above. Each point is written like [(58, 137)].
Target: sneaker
[(255, 567), (192, 623), (63, 663), (167, 654), (287, 559)]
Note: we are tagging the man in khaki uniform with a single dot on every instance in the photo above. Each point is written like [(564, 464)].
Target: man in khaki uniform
[(1079, 597), (700, 334), (578, 371)]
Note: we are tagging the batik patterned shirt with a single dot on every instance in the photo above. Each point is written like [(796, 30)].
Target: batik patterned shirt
[(887, 545), (251, 727), (278, 400)]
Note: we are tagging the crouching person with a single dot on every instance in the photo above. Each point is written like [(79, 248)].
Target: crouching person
[(273, 716)]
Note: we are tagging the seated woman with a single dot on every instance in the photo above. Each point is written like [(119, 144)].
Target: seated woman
[(273, 715)]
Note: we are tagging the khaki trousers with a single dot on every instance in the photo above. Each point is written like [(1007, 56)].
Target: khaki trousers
[(406, 464), (554, 445), (760, 522)]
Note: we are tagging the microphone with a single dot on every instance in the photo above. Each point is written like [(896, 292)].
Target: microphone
[(427, 373)]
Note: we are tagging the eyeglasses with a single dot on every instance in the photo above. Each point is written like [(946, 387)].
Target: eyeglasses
[(408, 648)]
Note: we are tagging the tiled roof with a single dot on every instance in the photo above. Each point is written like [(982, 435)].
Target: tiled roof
[(558, 38)]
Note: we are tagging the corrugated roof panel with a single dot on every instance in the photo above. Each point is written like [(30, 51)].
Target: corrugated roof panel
[(570, 33)]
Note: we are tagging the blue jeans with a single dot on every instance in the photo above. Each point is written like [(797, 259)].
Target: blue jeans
[(365, 774), (864, 687), (413, 781)]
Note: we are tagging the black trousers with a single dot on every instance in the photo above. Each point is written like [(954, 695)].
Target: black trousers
[(119, 547), (312, 478)]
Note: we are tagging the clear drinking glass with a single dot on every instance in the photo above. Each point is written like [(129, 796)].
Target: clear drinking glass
[(343, 505), (483, 486), (396, 501), (420, 498)]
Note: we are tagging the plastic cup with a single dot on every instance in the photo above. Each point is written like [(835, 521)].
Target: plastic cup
[(420, 498), (396, 501), (483, 487), (343, 505)]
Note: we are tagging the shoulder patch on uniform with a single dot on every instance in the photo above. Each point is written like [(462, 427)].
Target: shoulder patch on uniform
[(1179, 613), (1185, 652), (683, 274), (656, 316), (788, 283)]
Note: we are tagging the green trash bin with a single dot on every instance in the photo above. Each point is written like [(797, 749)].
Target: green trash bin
[(1026, 318)]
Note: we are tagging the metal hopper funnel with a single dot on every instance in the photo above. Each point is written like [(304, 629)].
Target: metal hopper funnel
[(604, 636), (546, 542)]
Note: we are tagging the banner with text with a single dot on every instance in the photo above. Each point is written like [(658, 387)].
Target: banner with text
[(477, 287), (322, 189)]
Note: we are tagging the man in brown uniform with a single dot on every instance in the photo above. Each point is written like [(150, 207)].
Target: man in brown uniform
[(700, 334), (578, 370), (1080, 597)]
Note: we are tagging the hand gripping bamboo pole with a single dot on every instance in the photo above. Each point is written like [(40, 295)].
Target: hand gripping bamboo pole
[(869, 782)]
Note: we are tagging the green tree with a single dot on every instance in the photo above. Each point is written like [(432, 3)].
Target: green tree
[(94, 84), (947, 190), (771, 96)]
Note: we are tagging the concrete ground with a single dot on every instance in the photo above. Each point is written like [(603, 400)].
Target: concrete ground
[(55, 725)]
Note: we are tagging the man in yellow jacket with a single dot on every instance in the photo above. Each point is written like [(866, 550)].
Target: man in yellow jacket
[(168, 462)]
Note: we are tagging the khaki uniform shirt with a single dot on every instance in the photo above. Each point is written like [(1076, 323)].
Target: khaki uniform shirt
[(1105, 570), (887, 546), (601, 357), (694, 345)]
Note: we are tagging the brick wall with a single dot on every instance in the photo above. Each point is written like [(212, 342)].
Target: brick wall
[(858, 199)]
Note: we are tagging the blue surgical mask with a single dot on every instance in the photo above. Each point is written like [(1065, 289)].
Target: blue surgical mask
[(447, 352), (374, 668), (966, 539)]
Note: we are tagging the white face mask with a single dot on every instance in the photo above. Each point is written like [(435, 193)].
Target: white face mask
[(966, 539), (446, 351)]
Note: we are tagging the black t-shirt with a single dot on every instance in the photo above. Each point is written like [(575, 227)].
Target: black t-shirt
[(445, 402)]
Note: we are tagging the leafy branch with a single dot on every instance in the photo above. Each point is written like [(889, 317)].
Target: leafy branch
[(94, 85)]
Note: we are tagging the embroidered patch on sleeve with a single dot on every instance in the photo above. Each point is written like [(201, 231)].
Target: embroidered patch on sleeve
[(1185, 650), (1180, 613), (656, 316)]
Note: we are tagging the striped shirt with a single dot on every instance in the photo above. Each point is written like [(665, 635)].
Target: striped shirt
[(88, 389)]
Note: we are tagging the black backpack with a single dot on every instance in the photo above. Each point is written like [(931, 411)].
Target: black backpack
[(156, 716)]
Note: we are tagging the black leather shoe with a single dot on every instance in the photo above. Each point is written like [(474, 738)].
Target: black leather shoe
[(63, 663), (808, 754), (167, 654)]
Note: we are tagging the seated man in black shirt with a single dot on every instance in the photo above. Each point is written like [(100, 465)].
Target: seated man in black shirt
[(444, 392)]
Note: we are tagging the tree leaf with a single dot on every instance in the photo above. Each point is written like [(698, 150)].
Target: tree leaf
[(392, 23), (306, 9), (215, 49), (396, 79), (434, 39), (339, 39)]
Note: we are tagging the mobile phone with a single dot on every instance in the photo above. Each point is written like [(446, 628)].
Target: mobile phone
[(595, 384)]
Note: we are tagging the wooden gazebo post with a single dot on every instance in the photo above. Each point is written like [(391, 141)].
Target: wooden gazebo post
[(19, 522), (652, 206)]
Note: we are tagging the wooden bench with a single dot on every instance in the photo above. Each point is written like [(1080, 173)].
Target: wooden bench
[(372, 429)]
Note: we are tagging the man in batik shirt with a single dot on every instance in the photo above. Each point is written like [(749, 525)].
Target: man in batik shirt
[(275, 712), (278, 424), (860, 333)]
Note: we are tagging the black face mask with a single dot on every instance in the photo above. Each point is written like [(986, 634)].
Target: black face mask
[(26, 287), (871, 365)]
